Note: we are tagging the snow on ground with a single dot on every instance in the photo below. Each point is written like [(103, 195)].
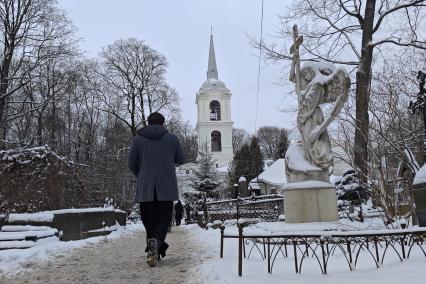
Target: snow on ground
[(193, 258), (119, 258), (16, 244), (23, 228), (15, 260), (6, 236), (216, 270)]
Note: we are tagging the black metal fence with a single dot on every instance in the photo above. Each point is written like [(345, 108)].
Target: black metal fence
[(265, 208), (324, 245)]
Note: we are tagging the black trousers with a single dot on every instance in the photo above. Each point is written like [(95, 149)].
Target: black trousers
[(156, 217)]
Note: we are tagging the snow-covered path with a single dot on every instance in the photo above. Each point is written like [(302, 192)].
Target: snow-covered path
[(120, 261)]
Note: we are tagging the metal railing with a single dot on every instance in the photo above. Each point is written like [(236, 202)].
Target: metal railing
[(265, 208), (324, 245)]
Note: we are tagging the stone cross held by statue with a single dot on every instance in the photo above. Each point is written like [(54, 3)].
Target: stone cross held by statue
[(294, 49)]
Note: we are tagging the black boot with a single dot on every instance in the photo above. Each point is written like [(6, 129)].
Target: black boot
[(162, 247), (152, 252)]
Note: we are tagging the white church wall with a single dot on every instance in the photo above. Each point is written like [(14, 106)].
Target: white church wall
[(225, 128)]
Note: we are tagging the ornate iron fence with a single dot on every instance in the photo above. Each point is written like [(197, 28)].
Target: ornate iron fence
[(266, 207), (324, 245)]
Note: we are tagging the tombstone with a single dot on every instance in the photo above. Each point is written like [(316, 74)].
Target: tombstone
[(419, 190), (309, 196), (243, 187), (235, 191), (419, 183)]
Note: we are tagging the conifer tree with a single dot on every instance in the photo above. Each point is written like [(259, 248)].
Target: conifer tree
[(205, 179), (256, 158), (247, 162), (282, 146)]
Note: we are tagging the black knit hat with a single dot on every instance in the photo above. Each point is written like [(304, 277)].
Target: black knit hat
[(156, 118)]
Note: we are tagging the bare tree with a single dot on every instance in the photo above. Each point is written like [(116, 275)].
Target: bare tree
[(134, 82), (84, 114), (32, 32), (239, 138), (347, 32), (395, 136), (187, 137), (273, 142), (85, 110)]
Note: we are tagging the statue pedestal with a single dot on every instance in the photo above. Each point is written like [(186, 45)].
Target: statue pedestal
[(310, 201)]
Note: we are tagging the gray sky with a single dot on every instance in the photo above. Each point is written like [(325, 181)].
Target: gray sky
[(180, 30)]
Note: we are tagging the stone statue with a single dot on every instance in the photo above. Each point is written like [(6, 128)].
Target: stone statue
[(317, 83)]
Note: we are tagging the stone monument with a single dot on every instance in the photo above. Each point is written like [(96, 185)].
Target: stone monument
[(309, 195)]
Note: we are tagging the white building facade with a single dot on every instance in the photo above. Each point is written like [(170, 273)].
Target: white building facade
[(214, 124)]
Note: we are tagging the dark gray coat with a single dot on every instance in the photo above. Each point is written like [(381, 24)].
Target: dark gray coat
[(152, 158)]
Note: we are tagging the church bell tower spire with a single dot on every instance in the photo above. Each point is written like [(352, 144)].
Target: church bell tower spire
[(214, 124), (212, 68)]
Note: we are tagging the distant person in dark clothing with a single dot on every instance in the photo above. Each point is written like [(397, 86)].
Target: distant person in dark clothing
[(178, 212), (152, 158)]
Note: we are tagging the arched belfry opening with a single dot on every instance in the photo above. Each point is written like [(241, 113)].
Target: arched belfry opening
[(215, 111), (216, 141)]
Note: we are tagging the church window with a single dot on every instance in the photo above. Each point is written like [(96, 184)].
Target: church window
[(215, 110), (216, 141)]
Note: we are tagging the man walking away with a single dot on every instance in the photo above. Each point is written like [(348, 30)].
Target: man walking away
[(178, 212), (152, 158)]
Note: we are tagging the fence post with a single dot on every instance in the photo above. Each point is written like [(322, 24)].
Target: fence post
[(403, 246), (295, 255), (324, 263), (377, 251), (269, 255), (222, 232), (206, 213), (240, 250), (238, 209)]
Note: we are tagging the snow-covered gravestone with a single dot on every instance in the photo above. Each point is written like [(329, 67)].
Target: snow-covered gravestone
[(419, 190), (242, 184), (309, 196)]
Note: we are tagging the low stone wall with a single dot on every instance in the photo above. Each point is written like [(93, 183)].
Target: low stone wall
[(76, 224)]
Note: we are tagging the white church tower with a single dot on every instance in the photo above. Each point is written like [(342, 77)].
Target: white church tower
[(214, 124)]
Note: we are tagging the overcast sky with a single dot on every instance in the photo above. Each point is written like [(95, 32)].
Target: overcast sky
[(180, 30)]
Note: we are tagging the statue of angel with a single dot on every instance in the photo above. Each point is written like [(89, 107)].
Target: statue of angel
[(317, 83)]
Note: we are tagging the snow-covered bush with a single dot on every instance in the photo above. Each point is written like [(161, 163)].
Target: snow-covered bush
[(38, 179), (134, 215), (109, 202), (350, 190), (352, 195)]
